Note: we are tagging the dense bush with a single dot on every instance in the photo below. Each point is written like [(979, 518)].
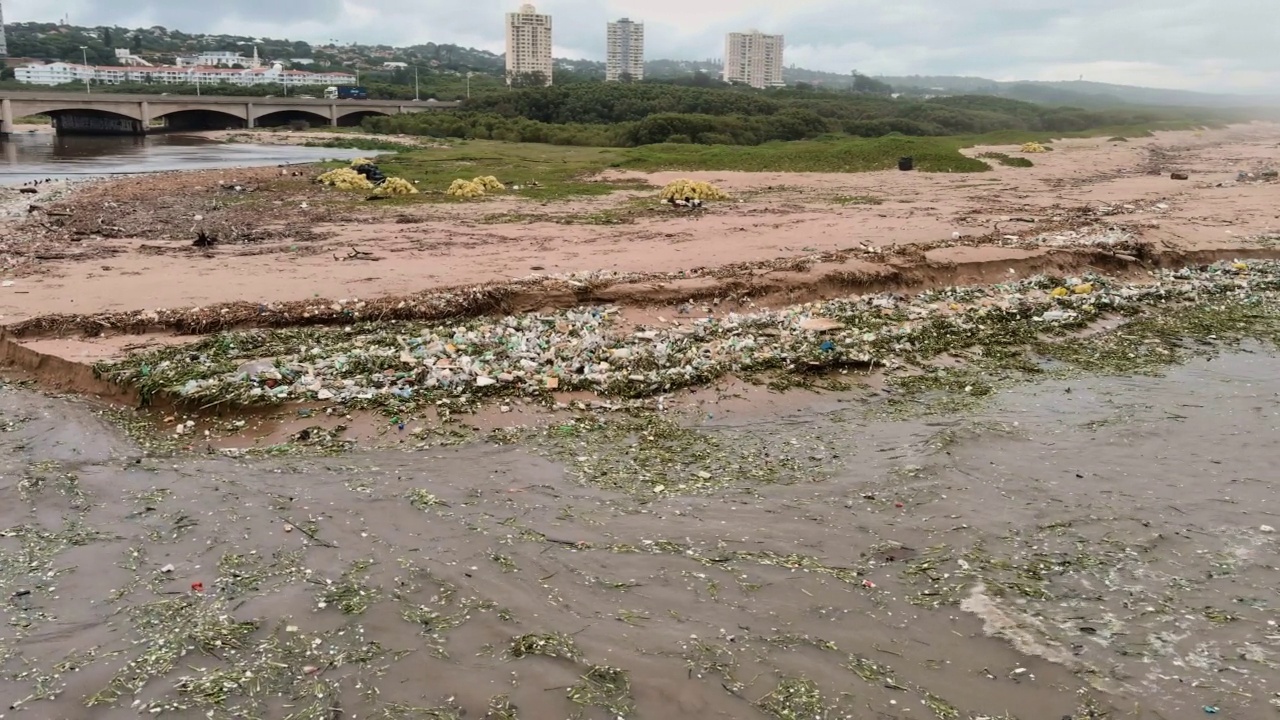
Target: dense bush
[(488, 126), (628, 115)]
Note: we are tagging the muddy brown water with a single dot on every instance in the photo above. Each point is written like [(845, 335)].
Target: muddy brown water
[(1101, 540), (37, 156)]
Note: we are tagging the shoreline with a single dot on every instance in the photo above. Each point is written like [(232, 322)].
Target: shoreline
[(909, 253)]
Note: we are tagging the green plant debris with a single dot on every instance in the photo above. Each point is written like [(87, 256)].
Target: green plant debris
[(553, 645), (604, 687), (245, 574), (1088, 708), (500, 708), (251, 672), (403, 366), (634, 618), (794, 699), (626, 214), (646, 454), (704, 658), (399, 711), (857, 200), (871, 671), (1220, 617), (421, 499), (172, 628), (942, 709), (351, 593), (1006, 159), (504, 562)]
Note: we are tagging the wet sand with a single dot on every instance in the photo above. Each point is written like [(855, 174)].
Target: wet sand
[(290, 241), (1072, 548)]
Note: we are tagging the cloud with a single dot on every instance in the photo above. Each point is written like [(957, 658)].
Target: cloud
[(1224, 45)]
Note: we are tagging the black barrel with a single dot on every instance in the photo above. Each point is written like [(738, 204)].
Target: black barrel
[(906, 163)]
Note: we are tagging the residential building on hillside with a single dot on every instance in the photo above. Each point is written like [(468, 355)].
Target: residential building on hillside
[(221, 58), (753, 58), (60, 73), (625, 51), (125, 56), (528, 43)]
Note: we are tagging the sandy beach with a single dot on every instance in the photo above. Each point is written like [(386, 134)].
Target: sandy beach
[(110, 237)]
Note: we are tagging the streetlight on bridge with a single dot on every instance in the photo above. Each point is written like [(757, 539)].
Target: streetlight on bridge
[(84, 53)]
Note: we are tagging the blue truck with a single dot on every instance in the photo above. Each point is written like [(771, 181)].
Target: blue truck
[(346, 92)]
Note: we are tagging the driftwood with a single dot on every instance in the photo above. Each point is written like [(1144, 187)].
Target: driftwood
[(358, 255)]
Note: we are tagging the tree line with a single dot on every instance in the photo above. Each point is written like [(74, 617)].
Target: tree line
[(628, 115)]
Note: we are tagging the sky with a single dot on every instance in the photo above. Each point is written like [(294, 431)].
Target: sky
[(1210, 45)]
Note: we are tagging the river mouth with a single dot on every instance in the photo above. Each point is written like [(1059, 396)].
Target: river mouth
[(26, 157), (1069, 547)]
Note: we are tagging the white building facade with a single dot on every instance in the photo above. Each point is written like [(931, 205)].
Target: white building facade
[(221, 58), (753, 58), (625, 51), (4, 44), (61, 73), (528, 43)]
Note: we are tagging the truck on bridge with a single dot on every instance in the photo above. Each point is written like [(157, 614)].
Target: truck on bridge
[(346, 92)]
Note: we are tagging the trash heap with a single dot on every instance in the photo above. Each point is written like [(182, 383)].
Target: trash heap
[(585, 350), (1033, 147), (696, 189), (345, 179), (370, 172), (396, 186), (365, 175)]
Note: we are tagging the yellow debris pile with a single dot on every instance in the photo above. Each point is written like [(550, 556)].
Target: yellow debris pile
[(488, 183), (696, 189), (345, 179), (1033, 147), (465, 189), (475, 187), (1080, 289), (396, 186), (361, 161)]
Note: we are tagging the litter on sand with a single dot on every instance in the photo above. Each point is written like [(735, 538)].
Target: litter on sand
[(589, 349)]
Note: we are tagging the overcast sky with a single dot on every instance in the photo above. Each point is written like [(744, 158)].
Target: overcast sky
[(1224, 45)]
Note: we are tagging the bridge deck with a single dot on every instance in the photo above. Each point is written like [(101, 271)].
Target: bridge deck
[(162, 98)]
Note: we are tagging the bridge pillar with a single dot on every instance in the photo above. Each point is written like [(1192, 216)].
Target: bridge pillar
[(249, 120), (144, 112), (6, 117), (333, 115)]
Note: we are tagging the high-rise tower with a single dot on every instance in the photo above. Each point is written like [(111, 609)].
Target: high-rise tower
[(625, 56), (4, 44), (528, 44)]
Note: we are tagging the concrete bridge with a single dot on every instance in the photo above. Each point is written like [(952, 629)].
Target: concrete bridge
[(121, 114)]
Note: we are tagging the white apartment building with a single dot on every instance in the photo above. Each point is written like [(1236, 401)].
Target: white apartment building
[(528, 43), (61, 73), (4, 43), (126, 57), (753, 58), (221, 58), (625, 51)]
